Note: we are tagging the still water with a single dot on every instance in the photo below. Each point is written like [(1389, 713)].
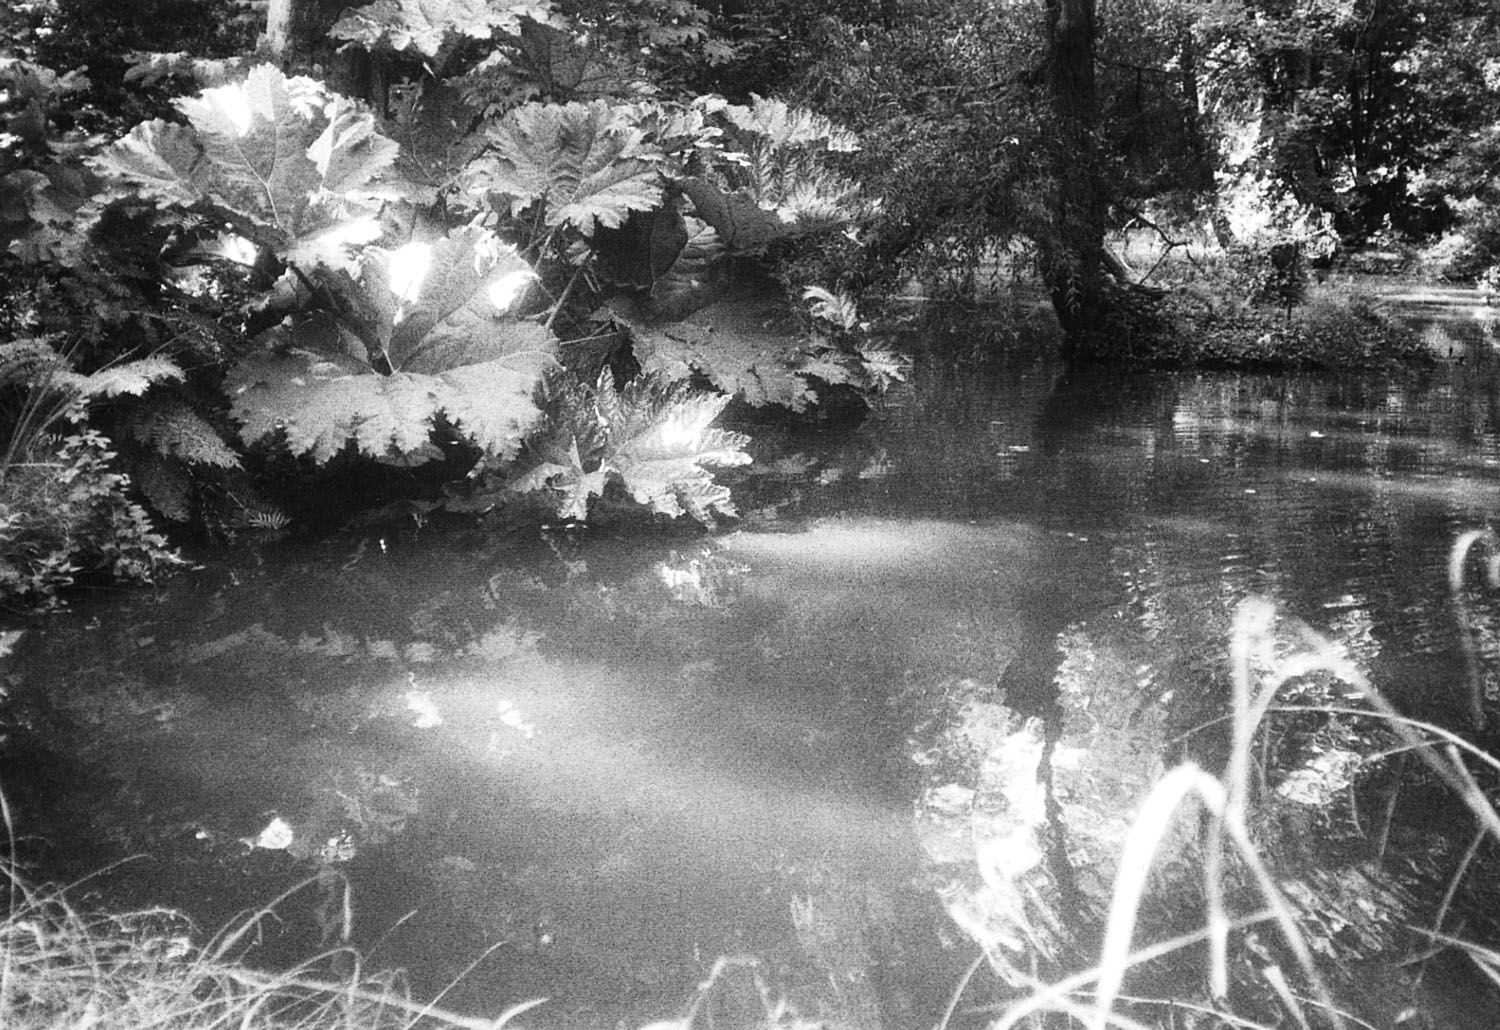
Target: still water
[(585, 765)]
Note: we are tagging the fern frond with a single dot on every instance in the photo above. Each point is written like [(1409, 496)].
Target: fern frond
[(272, 521), (131, 377), (166, 487), (171, 427), (838, 308), (29, 363)]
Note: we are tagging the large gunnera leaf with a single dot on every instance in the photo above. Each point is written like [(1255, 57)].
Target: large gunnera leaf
[(281, 153), (432, 126), (585, 164), (436, 342), (662, 446), (655, 437), (323, 405), (746, 346), (779, 185), (448, 315)]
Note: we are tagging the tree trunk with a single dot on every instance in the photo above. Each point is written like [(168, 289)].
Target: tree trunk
[(1100, 318), (297, 36), (1072, 258)]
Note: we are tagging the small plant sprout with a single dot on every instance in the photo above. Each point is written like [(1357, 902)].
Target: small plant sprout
[(838, 308)]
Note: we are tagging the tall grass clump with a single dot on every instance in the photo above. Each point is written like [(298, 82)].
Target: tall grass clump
[(65, 968), (1265, 657)]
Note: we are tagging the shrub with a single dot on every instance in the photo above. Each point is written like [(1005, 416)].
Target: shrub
[(65, 516)]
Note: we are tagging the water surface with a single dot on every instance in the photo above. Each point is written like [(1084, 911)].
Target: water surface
[(584, 764)]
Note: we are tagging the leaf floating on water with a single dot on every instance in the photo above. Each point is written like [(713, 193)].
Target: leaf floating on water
[(950, 799), (277, 836), (511, 716), (420, 702)]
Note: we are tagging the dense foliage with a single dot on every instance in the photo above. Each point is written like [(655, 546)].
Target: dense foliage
[(458, 271), (1318, 124), (424, 244)]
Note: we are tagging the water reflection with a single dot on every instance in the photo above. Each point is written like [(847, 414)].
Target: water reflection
[(613, 760)]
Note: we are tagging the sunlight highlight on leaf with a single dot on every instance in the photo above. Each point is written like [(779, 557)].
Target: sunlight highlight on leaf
[(409, 265), (236, 248), (234, 105), (507, 289)]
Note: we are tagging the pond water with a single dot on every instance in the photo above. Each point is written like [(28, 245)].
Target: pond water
[(586, 764)]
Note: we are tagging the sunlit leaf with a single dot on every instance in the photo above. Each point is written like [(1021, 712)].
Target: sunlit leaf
[(281, 152), (323, 404), (454, 321), (785, 126), (425, 25), (662, 445), (131, 377), (162, 160)]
